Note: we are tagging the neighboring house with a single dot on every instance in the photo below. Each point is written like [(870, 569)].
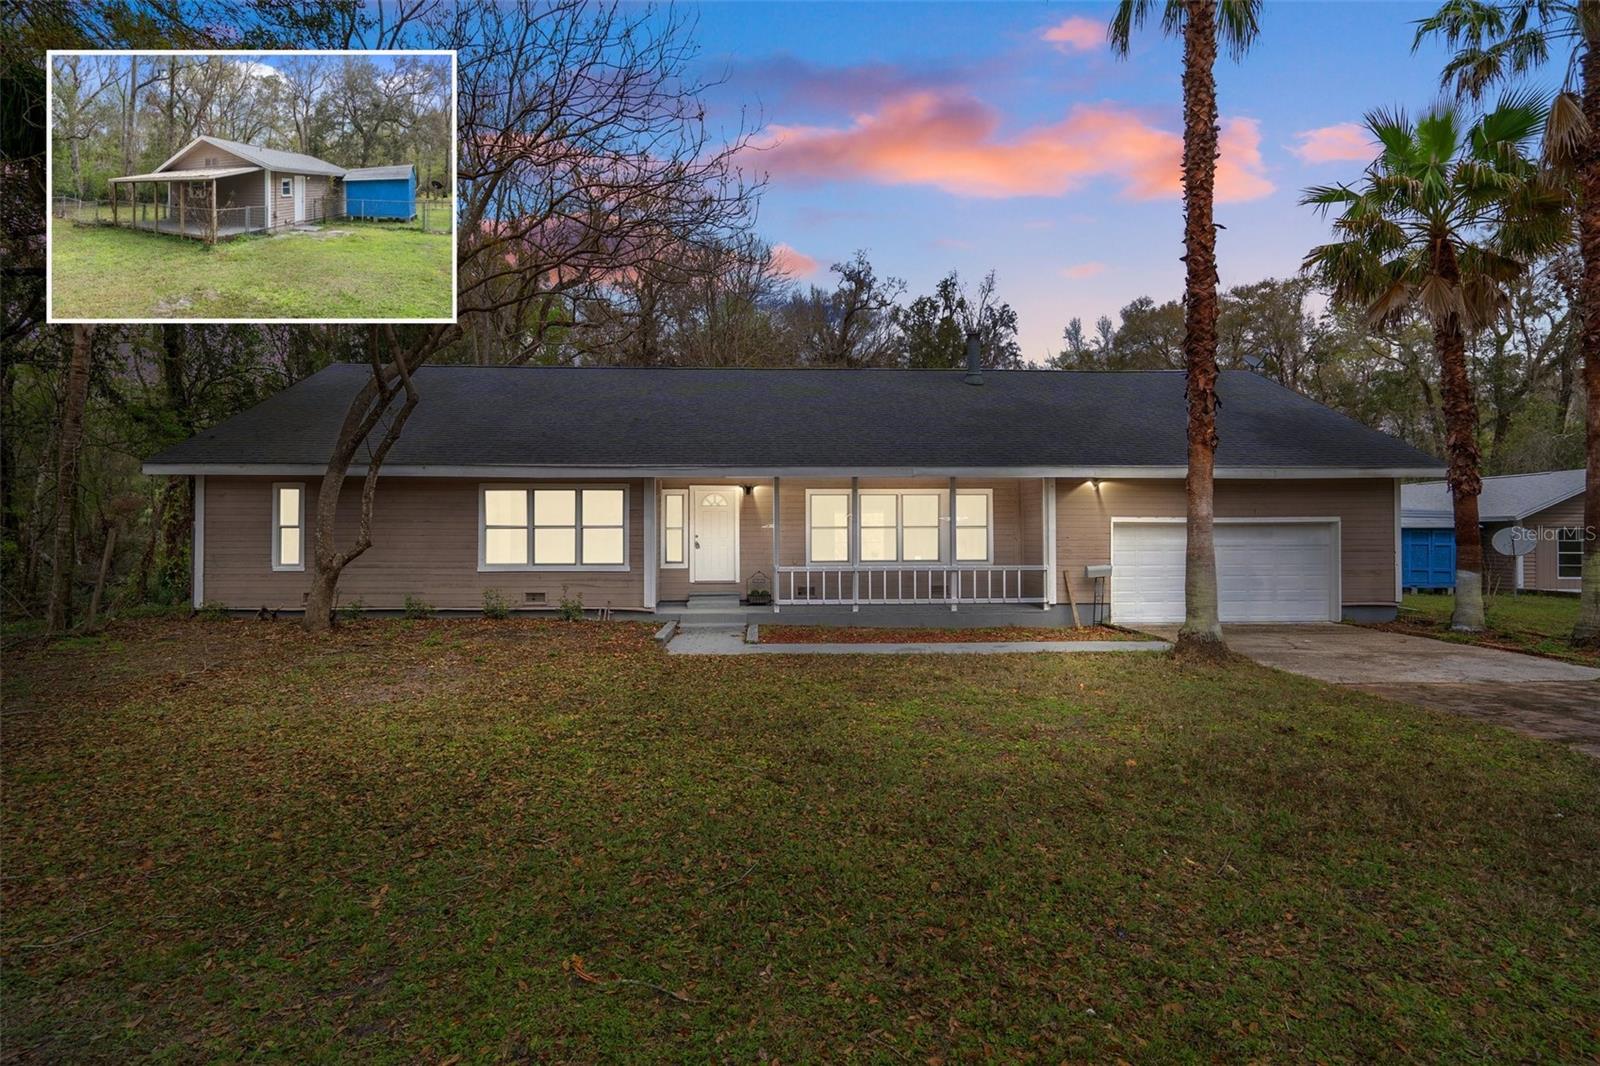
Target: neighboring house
[(381, 192), (641, 488), (1548, 504)]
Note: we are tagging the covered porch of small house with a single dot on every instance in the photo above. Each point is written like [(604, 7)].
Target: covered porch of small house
[(854, 545), (198, 203)]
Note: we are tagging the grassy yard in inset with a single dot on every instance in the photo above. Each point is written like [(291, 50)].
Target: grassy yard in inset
[(1539, 624), (345, 270), (468, 840)]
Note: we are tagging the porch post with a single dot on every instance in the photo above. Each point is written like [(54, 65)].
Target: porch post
[(776, 577), (652, 544), (213, 210), (855, 544), (114, 220), (1049, 560), (952, 581)]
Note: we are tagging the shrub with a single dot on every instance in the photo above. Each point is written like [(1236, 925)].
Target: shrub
[(571, 607), (212, 609), (495, 604), (351, 612), (417, 607)]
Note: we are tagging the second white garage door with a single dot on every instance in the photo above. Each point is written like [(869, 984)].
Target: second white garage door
[(1266, 571)]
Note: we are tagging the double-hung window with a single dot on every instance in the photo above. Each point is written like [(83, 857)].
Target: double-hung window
[(1569, 553), (828, 538), (525, 528), (972, 527), (288, 526), (674, 528), (286, 187)]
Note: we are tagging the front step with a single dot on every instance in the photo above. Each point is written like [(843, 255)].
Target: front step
[(717, 601)]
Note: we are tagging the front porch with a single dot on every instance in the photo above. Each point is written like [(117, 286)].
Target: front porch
[(914, 550)]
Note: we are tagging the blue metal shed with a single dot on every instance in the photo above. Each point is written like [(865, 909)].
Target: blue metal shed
[(381, 192), (1428, 559)]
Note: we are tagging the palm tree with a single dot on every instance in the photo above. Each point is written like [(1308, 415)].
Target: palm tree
[(1443, 221), (1496, 42), (1201, 23)]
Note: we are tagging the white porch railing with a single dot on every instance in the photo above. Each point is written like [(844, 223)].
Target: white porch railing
[(903, 583)]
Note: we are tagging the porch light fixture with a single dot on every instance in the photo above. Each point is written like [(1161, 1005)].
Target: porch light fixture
[(749, 490)]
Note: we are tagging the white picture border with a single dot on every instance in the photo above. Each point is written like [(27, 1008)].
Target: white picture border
[(49, 182)]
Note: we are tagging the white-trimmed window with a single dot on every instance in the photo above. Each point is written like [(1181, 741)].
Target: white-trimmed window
[(828, 527), (973, 527), (288, 526), (674, 528), (898, 525), (286, 187), (553, 528), (1569, 553), (505, 527)]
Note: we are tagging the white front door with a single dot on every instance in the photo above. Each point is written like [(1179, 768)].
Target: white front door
[(300, 198), (714, 536), (1266, 571)]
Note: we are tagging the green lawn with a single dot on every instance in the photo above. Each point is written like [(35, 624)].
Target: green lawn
[(348, 270), (1530, 623), (417, 841)]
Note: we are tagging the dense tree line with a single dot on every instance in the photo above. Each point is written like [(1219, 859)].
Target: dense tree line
[(629, 239), (118, 115)]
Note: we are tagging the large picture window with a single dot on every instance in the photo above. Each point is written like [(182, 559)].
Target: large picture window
[(902, 525), (580, 528), (288, 527), (1569, 553)]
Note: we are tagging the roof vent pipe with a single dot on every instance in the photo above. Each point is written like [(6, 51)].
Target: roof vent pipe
[(974, 359)]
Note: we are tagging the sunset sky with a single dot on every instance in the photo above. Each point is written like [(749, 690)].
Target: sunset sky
[(976, 135)]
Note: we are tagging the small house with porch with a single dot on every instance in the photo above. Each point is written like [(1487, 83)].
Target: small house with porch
[(214, 188)]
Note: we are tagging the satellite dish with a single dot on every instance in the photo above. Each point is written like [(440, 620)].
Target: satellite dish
[(1514, 540)]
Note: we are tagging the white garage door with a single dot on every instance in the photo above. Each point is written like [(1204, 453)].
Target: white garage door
[(1266, 572)]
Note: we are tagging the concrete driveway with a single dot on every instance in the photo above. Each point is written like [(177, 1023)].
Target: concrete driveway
[(1540, 697)]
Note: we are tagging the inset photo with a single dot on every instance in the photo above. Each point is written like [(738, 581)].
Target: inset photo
[(251, 186)]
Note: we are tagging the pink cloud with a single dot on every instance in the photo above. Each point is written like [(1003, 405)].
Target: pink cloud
[(1079, 271), (1332, 144), (953, 142), (1076, 34), (795, 264)]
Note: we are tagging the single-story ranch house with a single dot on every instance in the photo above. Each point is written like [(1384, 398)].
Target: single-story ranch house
[(866, 494), (1548, 505), (251, 189)]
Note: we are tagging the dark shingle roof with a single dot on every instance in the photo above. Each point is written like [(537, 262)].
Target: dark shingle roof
[(755, 419), (1507, 498)]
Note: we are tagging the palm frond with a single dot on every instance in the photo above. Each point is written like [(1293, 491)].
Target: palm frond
[(1566, 130), (1238, 25)]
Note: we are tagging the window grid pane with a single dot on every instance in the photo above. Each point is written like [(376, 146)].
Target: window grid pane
[(1569, 553), (288, 546), (555, 546), (506, 546)]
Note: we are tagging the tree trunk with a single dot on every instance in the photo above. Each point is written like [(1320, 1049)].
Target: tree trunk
[(100, 578), (1461, 445), (1587, 630), (1202, 629), (372, 407), (69, 448)]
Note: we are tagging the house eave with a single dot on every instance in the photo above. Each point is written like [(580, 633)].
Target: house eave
[(1241, 473)]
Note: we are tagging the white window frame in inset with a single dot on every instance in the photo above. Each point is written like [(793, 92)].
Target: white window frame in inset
[(286, 187), (683, 531), (273, 544), (852, 524), (576, 567), (1569, 533)]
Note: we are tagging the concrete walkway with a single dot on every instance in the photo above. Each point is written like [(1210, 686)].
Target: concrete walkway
[(729, 640), (1540, 697)]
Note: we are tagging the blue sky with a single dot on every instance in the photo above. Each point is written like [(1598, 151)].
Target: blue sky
[(1006, 136)]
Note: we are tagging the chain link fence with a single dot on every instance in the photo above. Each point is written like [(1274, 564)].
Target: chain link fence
[(426, 215)]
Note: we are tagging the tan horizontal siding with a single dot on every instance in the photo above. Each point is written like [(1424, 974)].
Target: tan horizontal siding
[(425, 544), (205, 154), (1365, 508), (243, 190), (1539, 570)]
